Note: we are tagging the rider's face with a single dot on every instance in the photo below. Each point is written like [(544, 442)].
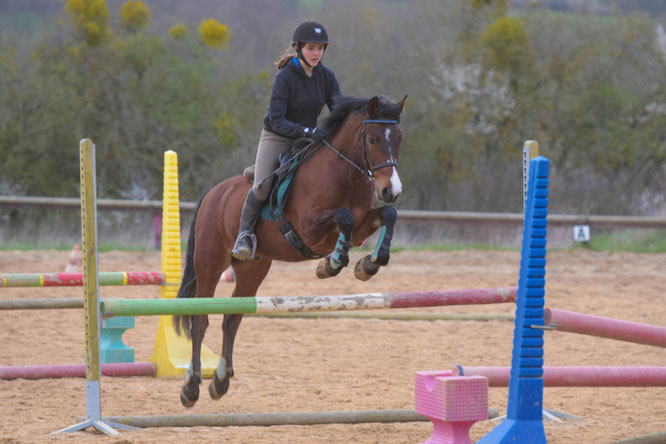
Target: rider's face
[(313, 52)]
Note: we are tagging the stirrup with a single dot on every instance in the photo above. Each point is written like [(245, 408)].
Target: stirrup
[(236, 253)]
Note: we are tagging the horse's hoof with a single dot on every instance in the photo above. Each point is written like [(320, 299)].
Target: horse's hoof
[(324, 269), (365, 268), (383, 256), (189, 395), (217, 388), (321, 270)]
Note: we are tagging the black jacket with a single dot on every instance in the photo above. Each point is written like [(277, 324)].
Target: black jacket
[(297, 100)]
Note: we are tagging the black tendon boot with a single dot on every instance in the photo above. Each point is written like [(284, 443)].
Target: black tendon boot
[(246, 242)]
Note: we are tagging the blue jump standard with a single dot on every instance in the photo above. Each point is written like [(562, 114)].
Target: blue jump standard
[(524, 416)]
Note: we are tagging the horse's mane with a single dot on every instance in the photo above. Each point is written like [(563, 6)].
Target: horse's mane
[(344, 106)]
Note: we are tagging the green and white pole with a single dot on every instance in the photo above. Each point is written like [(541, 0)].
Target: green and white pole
[(91, 302)]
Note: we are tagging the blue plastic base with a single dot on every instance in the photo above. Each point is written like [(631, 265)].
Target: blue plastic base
[(110, 356), (112, 347), (516, 431)]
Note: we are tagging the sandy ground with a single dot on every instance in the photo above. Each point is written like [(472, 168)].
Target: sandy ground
[(344, 364)]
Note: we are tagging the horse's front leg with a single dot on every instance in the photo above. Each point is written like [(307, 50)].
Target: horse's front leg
[(336, 261), (369, 265)]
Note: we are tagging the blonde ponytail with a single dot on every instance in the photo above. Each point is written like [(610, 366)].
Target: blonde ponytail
[(287, 55)]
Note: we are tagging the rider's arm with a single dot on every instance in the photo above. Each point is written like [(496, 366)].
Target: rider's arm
[(278, 110), (334, 90)]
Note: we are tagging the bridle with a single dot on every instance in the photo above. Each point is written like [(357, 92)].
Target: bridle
[(368, 168)]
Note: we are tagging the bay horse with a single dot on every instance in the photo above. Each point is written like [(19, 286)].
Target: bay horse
[(331, 208)]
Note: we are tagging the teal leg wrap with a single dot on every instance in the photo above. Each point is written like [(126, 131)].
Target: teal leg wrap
[(380, 241), (339, 249)]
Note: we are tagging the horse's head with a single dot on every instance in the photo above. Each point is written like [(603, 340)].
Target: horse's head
[(381, 136)]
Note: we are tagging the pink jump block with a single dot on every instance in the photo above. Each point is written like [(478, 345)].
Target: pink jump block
[(452, 403)]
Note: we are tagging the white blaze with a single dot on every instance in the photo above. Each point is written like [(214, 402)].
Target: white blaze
[(396, 185), (387, 134)]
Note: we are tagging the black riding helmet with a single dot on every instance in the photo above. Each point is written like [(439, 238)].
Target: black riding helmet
[(309, 32)]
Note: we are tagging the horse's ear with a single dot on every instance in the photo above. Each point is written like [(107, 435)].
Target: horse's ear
[(401, 103), (373, 107)]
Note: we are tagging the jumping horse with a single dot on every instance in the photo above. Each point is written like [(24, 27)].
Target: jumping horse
[(330, 209)]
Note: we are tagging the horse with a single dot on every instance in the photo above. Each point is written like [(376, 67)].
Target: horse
[(330, 209)]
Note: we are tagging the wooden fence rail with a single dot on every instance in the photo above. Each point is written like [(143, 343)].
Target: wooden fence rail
[(74, 203)]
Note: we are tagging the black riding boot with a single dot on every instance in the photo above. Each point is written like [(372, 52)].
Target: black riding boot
[(246, 242)]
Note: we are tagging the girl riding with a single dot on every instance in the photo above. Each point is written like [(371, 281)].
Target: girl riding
[(300, 89)]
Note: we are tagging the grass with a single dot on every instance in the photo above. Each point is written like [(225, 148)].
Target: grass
[(647, 241), (451, 247)]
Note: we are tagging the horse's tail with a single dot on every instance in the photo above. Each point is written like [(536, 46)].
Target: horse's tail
[(188, 286)]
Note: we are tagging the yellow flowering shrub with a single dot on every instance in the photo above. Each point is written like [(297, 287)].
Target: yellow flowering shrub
[(91, 19), (214, 34), (506, 43), (74, 52), (178, 31), (134, 15)]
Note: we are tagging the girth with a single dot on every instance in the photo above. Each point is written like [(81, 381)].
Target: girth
[(278, 199)]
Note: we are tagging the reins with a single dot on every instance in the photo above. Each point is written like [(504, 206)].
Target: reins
[(365, 172)]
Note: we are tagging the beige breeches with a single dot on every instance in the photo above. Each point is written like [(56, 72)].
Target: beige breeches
[(270, 147)]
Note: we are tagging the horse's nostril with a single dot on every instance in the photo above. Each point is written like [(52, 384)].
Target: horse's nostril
[(386, 193)]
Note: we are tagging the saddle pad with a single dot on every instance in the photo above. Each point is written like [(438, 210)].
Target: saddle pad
[(279, 196)]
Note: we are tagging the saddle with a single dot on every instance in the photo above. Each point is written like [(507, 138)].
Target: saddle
[(274, 208), (298, 144)]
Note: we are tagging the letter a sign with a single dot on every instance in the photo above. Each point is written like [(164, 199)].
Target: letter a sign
[(581, 233)]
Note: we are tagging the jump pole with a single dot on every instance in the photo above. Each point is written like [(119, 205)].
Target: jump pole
[(571, 322), (576, 376), (40, 304), (292, 304), (106, 278), (76, 370), (275, 419)]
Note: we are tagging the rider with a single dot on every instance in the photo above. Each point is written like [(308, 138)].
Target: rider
[(300, 89)]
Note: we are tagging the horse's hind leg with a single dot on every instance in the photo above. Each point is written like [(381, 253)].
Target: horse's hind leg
[(369, 265), (207, 278), (249, 275), (189, 394)]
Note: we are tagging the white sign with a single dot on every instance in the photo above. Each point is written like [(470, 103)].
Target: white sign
[(581, 233)]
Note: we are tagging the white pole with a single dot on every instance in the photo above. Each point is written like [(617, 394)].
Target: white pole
[(530, 151)]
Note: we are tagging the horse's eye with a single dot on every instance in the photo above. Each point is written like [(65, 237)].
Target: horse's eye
[(371, 140)]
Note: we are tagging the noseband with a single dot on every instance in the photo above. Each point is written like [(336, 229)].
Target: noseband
[(368, 169)]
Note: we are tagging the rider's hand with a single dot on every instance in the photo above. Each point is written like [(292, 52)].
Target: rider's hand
[(315, 133)]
